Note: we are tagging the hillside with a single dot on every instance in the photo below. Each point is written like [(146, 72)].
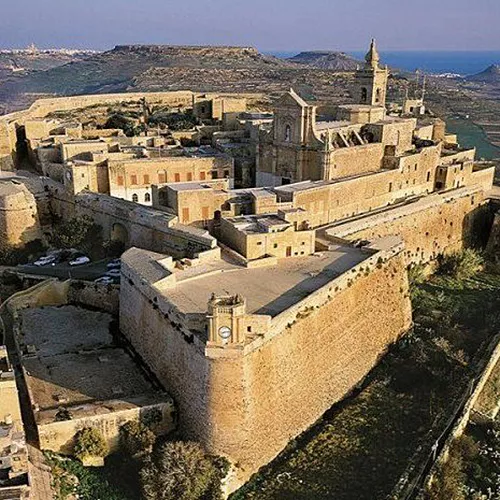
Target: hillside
[(334, 61), (489, 75), (114, 70), (156, 68)]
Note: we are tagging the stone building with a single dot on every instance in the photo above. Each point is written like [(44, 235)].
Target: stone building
[(14, 477)]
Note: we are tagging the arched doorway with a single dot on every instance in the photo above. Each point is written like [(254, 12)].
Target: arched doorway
[(119, 233)]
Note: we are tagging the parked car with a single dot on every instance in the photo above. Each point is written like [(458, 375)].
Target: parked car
[(113, 273), (44, 261), (105, 280), (79, 261), (114, 264)]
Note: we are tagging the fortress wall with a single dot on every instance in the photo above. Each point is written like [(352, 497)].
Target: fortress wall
[(434, 228), (178, 362), (19, 222), (345, 162), (248, 403), (293, 379)]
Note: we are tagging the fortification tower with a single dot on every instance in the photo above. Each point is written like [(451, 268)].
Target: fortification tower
[(224, 314), (371, 80)]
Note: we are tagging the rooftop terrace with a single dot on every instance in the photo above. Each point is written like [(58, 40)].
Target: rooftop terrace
[(268, 290), (76, 364)]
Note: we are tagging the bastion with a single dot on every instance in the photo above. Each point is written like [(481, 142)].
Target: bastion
[(19, 222), (254, 356)]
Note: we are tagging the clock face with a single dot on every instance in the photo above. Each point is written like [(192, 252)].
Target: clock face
[(225, 332)]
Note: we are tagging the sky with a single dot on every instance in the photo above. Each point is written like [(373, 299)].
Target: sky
[(278, 25)]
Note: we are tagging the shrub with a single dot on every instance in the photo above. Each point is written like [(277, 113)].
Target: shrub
[(89, 442), (460, 265), (416, 274), (73, 233), (136, 438), (182, 471)]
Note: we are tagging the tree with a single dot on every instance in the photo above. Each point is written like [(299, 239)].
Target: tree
[(182, 471), (136, 438), (74, 232), (89, 442)]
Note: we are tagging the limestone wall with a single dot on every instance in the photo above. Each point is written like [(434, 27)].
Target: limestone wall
[(345, 162), (59, 436), (248, 403), (19, 222), (438, 224)]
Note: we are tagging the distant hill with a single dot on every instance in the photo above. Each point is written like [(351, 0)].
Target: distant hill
[(141, 68), (334, 61), (489, 75), (115, 70)]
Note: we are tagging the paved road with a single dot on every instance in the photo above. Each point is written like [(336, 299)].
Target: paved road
[(88, 272)]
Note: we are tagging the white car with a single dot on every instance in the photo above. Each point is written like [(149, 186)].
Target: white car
[(44, 261), (105, 280), (113, 273), (79, 261), (114, 264)]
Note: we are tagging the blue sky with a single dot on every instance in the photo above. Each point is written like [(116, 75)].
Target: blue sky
[(267, 24)]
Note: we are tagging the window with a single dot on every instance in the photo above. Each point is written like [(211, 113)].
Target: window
[(162, 178), (133, 180), (259, 243), (177, 177), (189, 176), (390, 187), (226, 174), (364, 94), (146, 179), (378, 96), (185, 215), (147, 198), (203, 176), (428, 176), (135, 198), (119, 180), (249, 329), (215, 175), (288, 133), (275, 245)]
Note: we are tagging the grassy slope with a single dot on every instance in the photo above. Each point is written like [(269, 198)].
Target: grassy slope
[(360, 449)]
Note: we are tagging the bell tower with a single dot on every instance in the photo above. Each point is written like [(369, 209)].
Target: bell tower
[(371, 80), (224, 315)]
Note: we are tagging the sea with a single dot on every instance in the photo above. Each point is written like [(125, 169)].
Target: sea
[(437, 62), (442, 62)]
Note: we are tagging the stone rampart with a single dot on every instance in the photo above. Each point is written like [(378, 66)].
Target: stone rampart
[(436, 224), (249, 401)]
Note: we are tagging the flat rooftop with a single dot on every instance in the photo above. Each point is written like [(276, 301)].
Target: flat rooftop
[(76, 362), (268, 290)]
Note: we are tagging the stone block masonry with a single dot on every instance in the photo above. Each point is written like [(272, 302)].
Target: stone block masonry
[(248, 401)]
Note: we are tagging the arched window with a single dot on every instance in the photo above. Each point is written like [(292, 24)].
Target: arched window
[(364, 94), (288, 133), (378, 95), (147, 197), (135, 198)]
